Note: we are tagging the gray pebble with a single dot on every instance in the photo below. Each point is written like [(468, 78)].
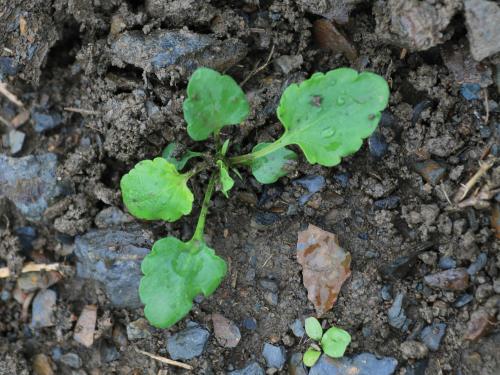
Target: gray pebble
[(396, 314), (188, 343), (297, 328), (275, 356), (361, 364), (432, 335), (478, 264), (251, 369), (72, 360), (43, 309)]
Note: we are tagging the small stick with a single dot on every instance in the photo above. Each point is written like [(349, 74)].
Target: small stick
[(255, 71), (10, 96), (30, 267), (165, 360), (464, 189), (81, 110), (486, 107)]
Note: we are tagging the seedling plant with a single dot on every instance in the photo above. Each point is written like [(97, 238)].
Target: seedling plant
[(326, 116), (333, 342)]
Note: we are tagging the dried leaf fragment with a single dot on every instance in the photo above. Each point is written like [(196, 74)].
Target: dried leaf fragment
[(325, 266), (85, 326)]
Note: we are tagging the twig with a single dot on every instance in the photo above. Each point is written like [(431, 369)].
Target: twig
[(165, 360), (486, 107), (81, 110), (255, 71), (464, 189), (10, 96), (30, 267)]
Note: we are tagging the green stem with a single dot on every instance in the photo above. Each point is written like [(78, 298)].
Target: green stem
[(200, 226), (244, 159)]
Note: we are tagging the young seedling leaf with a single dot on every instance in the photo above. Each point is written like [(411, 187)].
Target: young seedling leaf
[(311, 356), (269, 168), (335, 342), (214, 100), (329, 115), (154, 190), (224, 148), (169, 155), (226, 181), (175, 272), (313, 328)]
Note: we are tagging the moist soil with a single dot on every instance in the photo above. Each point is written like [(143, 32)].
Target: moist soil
[(63, 56)]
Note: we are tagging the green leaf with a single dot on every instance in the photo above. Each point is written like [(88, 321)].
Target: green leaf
[(154, 190), (175, 272), (169, 155), (269, 168), (311, 356), (313, 328), (335, 342), (224, 148), (214, 100), (329, 115), (225, 179)]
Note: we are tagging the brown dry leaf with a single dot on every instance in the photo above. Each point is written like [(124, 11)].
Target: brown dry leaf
[(325, 266)]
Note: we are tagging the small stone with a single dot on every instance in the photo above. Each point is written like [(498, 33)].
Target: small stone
[(85, 326), (45, 121), (483, 292), (26, 235), (388, 203), (386, 292), (413, 350), (226, 332), (429, 257), (400, 267), (313, 184), (32, 281), (15, 140), (297, 328), (361, 364), (470, 91), (452, 279), (463, 300), (288, 64), (72, 360), (295, 365), (275, 356), (112, 217), (417, 368), (478, 264), (432, 335), (188, 343), (265, 219), (483, 27), (138, 329), (41, 365), (377, 145), (250, 324), (269, 285), (431, 171), (252, 368), (43, 309), (109, 353), (271, 298), (446, 263), (496, 286), (480, 324), (396, 314)]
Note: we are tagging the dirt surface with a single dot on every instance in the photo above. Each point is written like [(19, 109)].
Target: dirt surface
[(122, 68)]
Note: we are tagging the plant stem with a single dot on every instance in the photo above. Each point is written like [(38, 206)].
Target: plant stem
[(197, 169), (200, 226), (244, 159)]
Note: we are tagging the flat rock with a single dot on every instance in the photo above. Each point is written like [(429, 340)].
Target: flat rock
[(226, 332), (432, 335), (482, 18), (113, 257), (29, 182), (361, 364), (275, 356), (188, 343), (452, 279), (41, 365), (43, 309), (162, 51), (252, 368)]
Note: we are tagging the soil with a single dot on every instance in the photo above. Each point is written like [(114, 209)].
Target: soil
[(64, 54)]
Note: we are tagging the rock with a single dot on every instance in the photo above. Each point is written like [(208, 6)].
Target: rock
[(275, 356), (271, 298), (400, 267), (72, 360), (297, 328), (29, 182), (417, 368), (377, 145), (264, 219), (480, 323), (470, 91), (252, 368), (26, 236), (432, 335), (361, 364), (250, 324), (109, 353), (138, 329), (482, 18), (295, 365), (478, 264), (112, 217), (312, 183), (463, 300), (452, 279), (464, 68), (32, 281), (431, 171), (327, 37), (226, 332), (188, 343), (113, 257), (43, 309), (288, 64), (14, 139), (268, 285), (44, 121), (163, 51), (413, 350), (388, 203), (446, 263), (85, 326), (396, 314), (41, 365), (8, 67), (386, 292)]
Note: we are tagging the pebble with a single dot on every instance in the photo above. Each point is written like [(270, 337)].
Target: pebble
[(396, 314), (30, 182), (72, 360), (271, 298), (452, 279), (250, 324), (288, 64), (417, 368), (342, 179), (252, 368), (275, 356), (269, 285), (85, 326), (386, 292), (113, 257), (112, 217), (432, 335), (446, 263), (32, 281), (297, 328), (138, 329), (483, 28), (413, 350), (295, 365), (265, 219), (480, 324), (478, 264), (44, 122), (388, 203), (14, 139), (41, 365), (226, 332), (482, 293), (109, 353), (377, 145), (188, 343), (470, 91), (313, 184), (431, 171), (400, 267), (43, 309), (26, 236), (8, 67), (361, 364), (463, 300)]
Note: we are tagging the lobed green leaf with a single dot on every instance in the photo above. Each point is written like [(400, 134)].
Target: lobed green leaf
[(269, 168), (154, 190), (335, 342), (175, 272)]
